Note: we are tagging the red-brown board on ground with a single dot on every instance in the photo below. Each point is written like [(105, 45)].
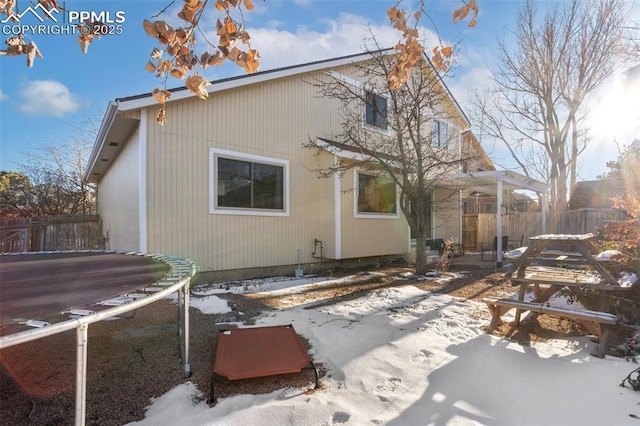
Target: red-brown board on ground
[(41, 285), (245, 353)]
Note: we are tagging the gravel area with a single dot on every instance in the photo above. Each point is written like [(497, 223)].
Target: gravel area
[(132, 360)]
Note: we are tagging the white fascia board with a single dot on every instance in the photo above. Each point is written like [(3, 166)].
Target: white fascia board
[(506, 176), (346, 79), (341, 153), (147, 101), (107, 121), (357, 156), (532, 186)]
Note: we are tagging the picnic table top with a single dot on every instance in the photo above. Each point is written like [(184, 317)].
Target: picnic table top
[(562, 237)]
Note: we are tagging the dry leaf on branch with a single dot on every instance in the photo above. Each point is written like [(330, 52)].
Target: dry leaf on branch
[(32, 52), (50, 4), (161, 95), (462, 13), (189, 10), (179, 73), (151, 67), (207, 59), (161, 118), (198, 86), (6, 8), (180, 44), (16, 46)]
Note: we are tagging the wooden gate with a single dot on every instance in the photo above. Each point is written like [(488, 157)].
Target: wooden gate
[(470, 231)]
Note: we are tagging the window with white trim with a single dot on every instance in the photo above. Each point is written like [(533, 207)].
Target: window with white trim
[(375, 110), (440, 134), (248, 184), (376, 195)]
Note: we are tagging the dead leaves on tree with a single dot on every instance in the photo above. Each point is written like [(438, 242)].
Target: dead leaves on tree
[(409, 50), (177, 57), (16, 46), (89, 30), (462, 13)]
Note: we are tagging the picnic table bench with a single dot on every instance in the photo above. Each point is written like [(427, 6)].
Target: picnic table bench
[(597, 323)]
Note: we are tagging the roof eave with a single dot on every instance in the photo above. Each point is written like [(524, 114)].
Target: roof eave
[(107, 122), (147, 100)]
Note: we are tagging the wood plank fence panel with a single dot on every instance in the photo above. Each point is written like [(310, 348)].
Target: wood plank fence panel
[(51, 233), (529, 224)]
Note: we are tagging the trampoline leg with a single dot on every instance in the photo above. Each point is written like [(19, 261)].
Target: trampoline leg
[(183, 307), (81, 374)]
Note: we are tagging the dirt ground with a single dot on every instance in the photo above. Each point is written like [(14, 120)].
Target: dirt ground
[(132, 360)]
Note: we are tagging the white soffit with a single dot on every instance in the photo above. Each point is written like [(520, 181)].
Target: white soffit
[(489, 179)]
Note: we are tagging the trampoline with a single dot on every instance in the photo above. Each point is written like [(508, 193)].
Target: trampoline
[(45, 293), (246, 353)]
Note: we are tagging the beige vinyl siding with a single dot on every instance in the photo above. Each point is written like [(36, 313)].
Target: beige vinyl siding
[(447, 218), (273, 120), (369, 236), (118, 199), (270, 119)]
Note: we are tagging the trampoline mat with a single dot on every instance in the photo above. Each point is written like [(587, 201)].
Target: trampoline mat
[(245, 353), (40, 286)]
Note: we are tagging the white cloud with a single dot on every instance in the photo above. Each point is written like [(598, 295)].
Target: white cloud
[(341, 36), (3, 96), (47, 97)]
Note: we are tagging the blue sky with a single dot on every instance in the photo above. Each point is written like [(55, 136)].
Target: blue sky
[(67, 91)]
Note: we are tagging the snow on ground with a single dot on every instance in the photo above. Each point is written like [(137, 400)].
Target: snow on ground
[(403, 356)]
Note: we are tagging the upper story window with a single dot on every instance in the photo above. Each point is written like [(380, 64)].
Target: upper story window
[(376, 110), (440, 134), (376, 195), (247, 184)]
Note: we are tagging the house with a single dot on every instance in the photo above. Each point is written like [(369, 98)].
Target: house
[(227, 183)]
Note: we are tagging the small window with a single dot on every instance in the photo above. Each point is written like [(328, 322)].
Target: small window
[(488, 208), (376, 110), (376, 195), (440, 134), (245, 184)]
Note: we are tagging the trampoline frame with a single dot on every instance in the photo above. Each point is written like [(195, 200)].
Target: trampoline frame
[(177, 279)]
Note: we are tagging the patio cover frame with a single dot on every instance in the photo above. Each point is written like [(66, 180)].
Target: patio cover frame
[(503, 180)]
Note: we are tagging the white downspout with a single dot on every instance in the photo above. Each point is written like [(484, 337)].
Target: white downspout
[(337, 209), (142, 182), (460, 217)]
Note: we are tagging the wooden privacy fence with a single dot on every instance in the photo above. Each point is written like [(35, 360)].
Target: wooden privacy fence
[(50, 233), (529, 224)]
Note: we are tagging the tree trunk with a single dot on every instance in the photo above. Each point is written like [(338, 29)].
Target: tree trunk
[(421, 254)]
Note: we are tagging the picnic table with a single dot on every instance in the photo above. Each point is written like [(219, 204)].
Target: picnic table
[(534, 268)]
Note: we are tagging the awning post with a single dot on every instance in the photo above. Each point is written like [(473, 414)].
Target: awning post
[(499, 247)]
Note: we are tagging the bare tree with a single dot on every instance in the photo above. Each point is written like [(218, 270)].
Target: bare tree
[(539, 104), (409, 135), (50, 181)]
